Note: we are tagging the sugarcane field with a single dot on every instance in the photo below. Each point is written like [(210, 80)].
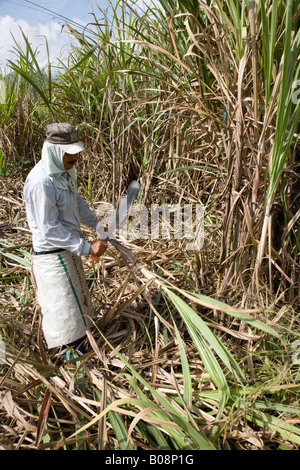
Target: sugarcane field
[(149, 230)]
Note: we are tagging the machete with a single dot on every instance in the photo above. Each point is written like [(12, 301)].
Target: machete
[(122, 211)]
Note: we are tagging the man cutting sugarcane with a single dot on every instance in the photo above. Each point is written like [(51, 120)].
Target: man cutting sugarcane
[(55, 211)]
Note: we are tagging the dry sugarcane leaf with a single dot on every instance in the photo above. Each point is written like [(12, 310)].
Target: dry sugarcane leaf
[(110, 314), (94, 346), (43, 416), (26, 387), (14, 411)]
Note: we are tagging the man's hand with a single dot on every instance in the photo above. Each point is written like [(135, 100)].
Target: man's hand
[(98, 248)]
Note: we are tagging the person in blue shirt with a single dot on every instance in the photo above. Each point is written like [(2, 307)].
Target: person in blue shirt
[(55, 211)]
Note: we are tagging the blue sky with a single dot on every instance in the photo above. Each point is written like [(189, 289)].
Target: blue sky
[(37, 23)]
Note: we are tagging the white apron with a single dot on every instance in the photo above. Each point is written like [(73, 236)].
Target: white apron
[(63, 296)]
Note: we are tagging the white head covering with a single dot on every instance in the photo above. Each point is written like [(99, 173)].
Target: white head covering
[(52, 157)]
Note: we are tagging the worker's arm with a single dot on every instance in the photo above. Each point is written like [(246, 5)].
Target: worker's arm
[(87, 216)]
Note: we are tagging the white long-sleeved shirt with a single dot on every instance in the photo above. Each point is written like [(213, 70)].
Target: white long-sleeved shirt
[(54, 215)]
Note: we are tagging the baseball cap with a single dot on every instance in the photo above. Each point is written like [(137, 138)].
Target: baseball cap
[(65, 135)]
